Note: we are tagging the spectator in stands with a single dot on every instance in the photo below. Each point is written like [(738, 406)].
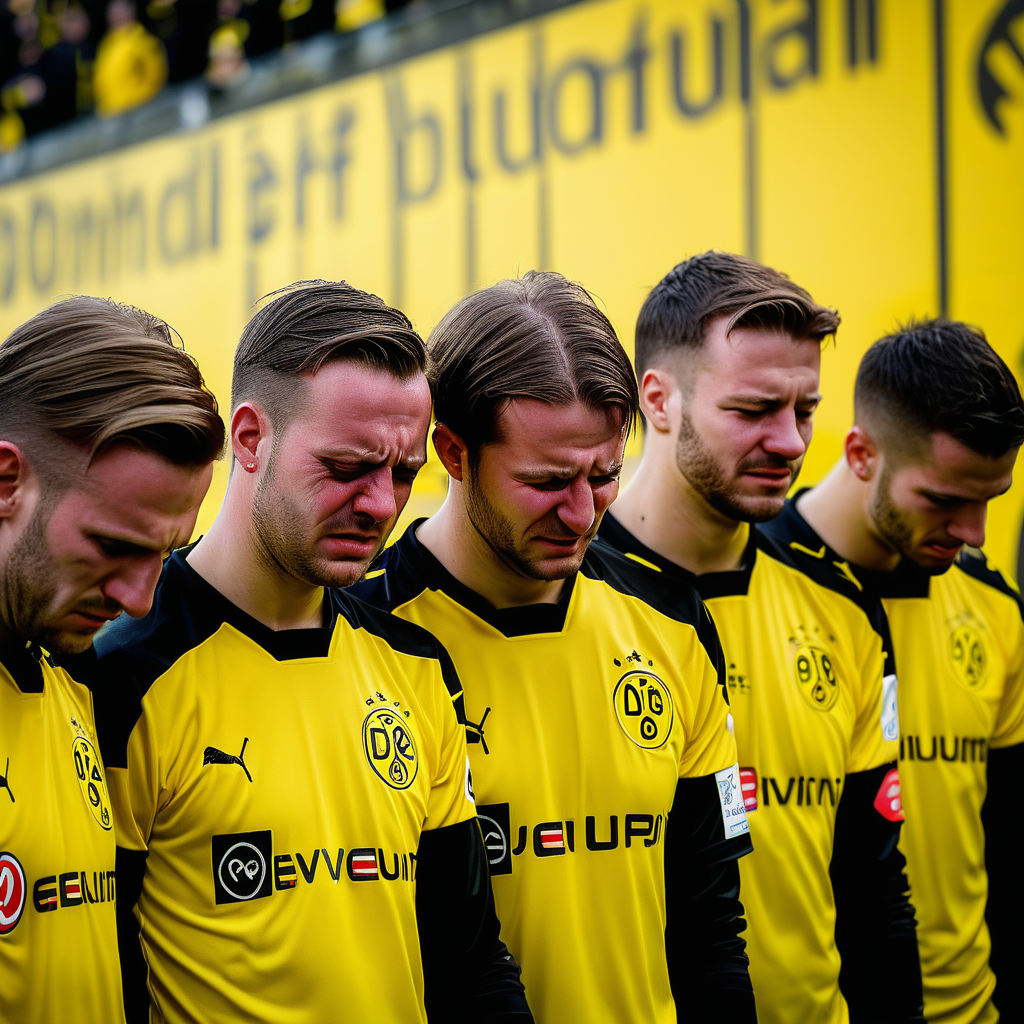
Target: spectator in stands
[(131, 65)]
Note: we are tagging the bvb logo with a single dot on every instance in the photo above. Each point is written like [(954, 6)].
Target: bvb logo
[(390, 747), (90, 778), (969, 656), (816, 676), (644, 709)]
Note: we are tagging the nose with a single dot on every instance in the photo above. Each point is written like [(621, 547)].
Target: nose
[(576, 510), (376, 497), (784, 437), (132, 585), (968, 524)]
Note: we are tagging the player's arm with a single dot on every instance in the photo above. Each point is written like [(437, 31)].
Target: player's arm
[(705, 835), (469, 974), (876, 932), (1005, 892)]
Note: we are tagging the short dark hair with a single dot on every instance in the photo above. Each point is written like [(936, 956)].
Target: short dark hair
[(310, 323), (676, 313), (939, 376), (93, 373), (541, 337)]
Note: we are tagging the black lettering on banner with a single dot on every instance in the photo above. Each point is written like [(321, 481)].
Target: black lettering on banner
[(637, 826), (534, 151), (8, 255), (178, 216), (800, 36), (305, 165), (595, 844), (687, 106), (260, 180), (344, 119), (44, 894), (284, 872), (42, 239)]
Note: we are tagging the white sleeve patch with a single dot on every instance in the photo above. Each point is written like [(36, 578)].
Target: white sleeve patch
[(734, 814), (890, 709), (470, 796)]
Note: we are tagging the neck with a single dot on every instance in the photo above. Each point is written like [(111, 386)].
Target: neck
[(662, 510), (230, 558), (457, 544), (838, 511)]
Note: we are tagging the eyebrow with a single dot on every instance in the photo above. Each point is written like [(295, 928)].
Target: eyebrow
[(351, 457), (765, 401), (564, 474)]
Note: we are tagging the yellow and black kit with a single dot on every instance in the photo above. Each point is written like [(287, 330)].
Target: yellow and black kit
[(602, 763), (813, 697), (58, 934), (959, 638)]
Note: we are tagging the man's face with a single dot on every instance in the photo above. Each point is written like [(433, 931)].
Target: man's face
[(537, 494), (73, 564), (928, 508), (745, 419), (340, 473)]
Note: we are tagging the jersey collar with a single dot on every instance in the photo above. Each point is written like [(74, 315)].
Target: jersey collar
[(524, 620), (21, 659)]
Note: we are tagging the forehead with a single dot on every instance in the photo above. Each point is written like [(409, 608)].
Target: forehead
[(948, 466), (349, 404), (752, 359), (560, 434)]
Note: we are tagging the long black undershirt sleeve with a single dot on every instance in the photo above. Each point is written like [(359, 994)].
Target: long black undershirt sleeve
[(130, 870), (876, 931), (468, 973), (707, 962), (1005, 893)]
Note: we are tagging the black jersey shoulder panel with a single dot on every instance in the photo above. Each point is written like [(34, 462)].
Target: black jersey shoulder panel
[(974, 563), (22, 662)]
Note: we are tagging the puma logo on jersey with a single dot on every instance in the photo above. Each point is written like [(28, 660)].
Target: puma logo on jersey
[(214, 756), (3, 780), (475, 731)]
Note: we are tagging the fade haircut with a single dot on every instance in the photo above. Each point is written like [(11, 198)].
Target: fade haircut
[(676, 314), (938, 376), (540, 337), (92, 373), (308, 324)]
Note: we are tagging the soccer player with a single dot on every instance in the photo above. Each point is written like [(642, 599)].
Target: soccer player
[(938, 421), (594, 701), (107, 437), (727, 356), (288, 766)]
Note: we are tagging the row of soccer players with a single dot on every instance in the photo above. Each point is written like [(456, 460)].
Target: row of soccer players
[(276, 737)]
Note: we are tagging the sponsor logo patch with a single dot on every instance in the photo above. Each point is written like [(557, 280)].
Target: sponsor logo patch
[(12, 892), (890, 708), (240, 866), (748, 787), (495, 826), (730, 795), (888, 801)]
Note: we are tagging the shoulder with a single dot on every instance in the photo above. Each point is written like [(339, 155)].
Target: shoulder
[(395, 577), (975, 566)]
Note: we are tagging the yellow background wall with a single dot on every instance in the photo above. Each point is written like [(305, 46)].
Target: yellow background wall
[(872, 149)]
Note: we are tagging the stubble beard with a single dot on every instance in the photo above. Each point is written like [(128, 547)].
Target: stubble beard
[(697, 464), (892, 525)]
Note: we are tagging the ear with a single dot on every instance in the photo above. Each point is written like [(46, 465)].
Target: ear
[(14, 472), (451, 450), (249, 427), (862, 455), (656, 388)]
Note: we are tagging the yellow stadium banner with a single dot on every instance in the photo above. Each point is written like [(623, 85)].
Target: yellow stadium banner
[(872, 149)]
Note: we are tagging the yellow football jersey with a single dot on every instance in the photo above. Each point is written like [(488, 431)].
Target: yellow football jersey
[(279, 782), (58, 937), (959, 640), (805, 668), (582, 717)]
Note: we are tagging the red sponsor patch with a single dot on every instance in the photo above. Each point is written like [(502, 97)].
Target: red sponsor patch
[(551, 839), (888, 802), (364, 865), (12, 892), (748, 787)]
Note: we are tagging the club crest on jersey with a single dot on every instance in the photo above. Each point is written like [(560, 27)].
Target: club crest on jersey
[(12, 892), (814, 670), (389, 743), (968, 651), (643, 705), (90, 779)]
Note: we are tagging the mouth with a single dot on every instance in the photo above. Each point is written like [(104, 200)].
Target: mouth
[(943, 552), (94, 620), (771, 477), (560, 545), (351, 545)]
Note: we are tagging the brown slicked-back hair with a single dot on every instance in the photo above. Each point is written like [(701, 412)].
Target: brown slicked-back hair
[(540, 337), (679, 308), (92, 373), (308, 324)]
